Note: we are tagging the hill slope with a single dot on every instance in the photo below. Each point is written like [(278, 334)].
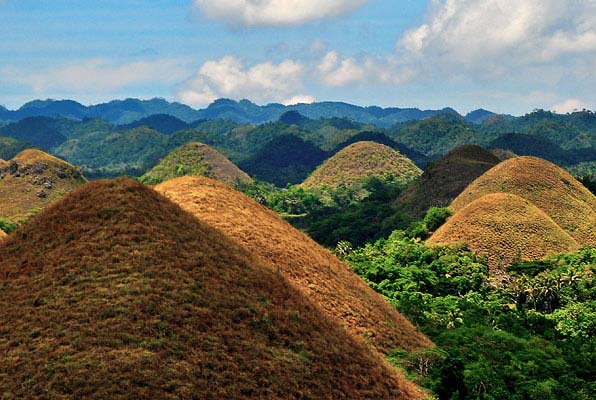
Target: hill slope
[(2, 234), (331, 284), (286, 159), (103, 296), (195, 159), (359, 161), (547, 186), (31, 181), (506, 229), (444, 180)]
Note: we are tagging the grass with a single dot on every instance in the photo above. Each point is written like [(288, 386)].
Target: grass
[(29, 174), (195, 159), (116, 292), (356, 163), (547, 186), (445, 179), (318, 274), (2, 234), (506, 229)]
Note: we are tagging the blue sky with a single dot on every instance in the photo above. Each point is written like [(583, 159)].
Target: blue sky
[(505, 55)]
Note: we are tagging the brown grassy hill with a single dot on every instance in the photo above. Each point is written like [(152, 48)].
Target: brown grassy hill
[(359, 161), (195, 159), (547, 186), (31, 181), (317, 273), (115, 292), (506, 229), (444, 180), (2, 234)]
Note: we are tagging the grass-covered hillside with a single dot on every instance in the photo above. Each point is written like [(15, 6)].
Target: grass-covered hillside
[(115, 292), (506, 229), (31, 181), (355, 164), (337, 291), (195, 159), (545, 185), (444, 179)]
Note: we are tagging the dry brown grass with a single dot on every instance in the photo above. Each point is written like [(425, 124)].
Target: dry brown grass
[(196, 159), (545, 185), (31, 181), (115, 292), (444, 180), (506, 229), (359, 161), (313, 270), (2, 234)]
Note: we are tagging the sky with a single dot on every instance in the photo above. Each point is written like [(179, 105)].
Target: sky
[(508, 56)]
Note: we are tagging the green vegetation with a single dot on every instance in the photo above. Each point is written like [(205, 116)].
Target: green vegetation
[(533, 337), (194, 159)]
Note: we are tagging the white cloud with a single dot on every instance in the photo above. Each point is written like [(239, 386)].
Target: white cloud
[(229, 77), (97, 75), (495, 35), (275, 12), (336, 71), (299, 99), (569, 105)]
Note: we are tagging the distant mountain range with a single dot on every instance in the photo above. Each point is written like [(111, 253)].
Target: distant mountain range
[(130, 110)]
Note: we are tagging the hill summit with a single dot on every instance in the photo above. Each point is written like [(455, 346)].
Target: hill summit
[(115, 292), (330, 284), (547, 186), (443, 180), (31, 181), (506, 229), (354, 164), (195, 159)]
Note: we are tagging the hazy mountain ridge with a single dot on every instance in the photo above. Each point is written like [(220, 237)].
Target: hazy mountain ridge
[(243, 111)]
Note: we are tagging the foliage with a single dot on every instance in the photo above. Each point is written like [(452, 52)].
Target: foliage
[(434, 218), (514, 340), (8, 226)]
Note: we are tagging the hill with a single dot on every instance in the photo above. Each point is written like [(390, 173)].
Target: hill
[(444, 179), (2, 234), (286, 159), (31, 181), (359, 161), (370, 136), (163, 123), (130, 151), (195, 159), (115, 292), (544, 184), (437, 135), (319, 275), (506, 229)]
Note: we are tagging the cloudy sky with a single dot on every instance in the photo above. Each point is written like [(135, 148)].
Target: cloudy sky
[(508, 56)]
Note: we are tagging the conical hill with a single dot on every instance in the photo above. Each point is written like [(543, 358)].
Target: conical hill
[(195, 159), (353, 165), (115, 292), (317, 273), (31, 181), (547, 186), (506, 229), (444, 180)]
